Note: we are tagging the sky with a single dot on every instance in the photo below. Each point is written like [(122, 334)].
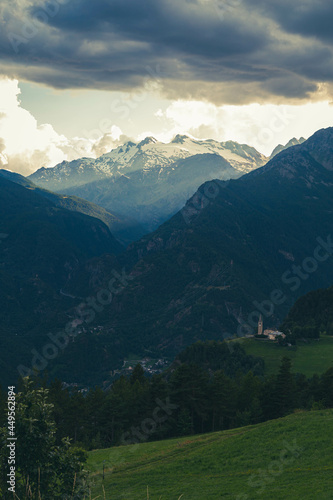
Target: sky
[(80, 77)]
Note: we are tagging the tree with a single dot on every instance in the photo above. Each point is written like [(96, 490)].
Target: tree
[(189, 389), (116, 411), (326, 386), (63, 416), (249, 387), (138, 375), (94, 403), (222, 401), (184, 423), (44, 470), (284, 388)]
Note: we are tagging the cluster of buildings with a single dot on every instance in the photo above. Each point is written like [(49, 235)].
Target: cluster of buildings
[(270, 334), (151, 367)]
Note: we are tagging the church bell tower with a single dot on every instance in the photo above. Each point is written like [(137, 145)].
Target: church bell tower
[(260, 325)]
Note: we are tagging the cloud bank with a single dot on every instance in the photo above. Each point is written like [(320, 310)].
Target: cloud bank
[(222, 51), (26, 146)]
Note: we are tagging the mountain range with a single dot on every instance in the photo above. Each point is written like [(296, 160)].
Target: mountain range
[(149, 181), (237, 249)]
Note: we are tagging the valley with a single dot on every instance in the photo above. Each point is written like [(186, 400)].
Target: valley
[(247, 250)]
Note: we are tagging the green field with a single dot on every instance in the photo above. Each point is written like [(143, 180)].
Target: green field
[(288, 458), (311, 358)]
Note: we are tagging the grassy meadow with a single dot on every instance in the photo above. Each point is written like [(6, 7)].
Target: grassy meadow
[(316, 356), (287, 458)]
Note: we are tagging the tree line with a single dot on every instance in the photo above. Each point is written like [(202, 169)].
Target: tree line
[(208, 388)]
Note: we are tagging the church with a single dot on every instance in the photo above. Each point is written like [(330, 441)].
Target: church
[(270, 334)]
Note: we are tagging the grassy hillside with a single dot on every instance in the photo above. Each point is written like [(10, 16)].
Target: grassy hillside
[(315, 356), (288, 458)]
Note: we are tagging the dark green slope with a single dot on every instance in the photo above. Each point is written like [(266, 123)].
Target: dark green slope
[(124, 229), (312, 313), (43, 232), (17, 178), (41, 246)]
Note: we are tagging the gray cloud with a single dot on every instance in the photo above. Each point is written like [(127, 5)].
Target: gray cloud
[(311, 18), (236, 51)]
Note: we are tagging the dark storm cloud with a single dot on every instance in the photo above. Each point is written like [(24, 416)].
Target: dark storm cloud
[(198, 48), (307, 18), (169, 26)]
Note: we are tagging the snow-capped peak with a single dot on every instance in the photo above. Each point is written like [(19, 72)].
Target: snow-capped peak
[(146, 155), (147, 141), (179, 139)]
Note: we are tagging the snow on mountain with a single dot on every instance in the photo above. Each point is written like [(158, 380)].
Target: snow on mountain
[(240, 156), (281, 147), (149, 181), (144, 156)]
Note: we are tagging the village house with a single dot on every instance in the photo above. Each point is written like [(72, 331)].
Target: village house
[(271, 334), (274, 334)]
